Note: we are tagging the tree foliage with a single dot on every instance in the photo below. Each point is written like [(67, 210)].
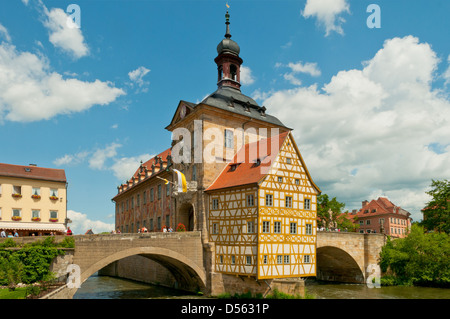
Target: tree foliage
[(419, 259), (330, 212), (437, 211), (30, 263)]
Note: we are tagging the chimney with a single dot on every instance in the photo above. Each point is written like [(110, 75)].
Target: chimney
[(365, 202)]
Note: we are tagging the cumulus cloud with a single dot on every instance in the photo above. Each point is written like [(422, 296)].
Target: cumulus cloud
[(124, 167), (328, 13), (246, 76), (99, 157), (30, 91), (64, 33), (380, 129), (81, 224)]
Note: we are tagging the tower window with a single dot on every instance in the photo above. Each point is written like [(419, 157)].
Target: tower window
[(233, 72), (220, 73)]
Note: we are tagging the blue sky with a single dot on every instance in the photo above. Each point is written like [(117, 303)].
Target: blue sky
[(369, 107)]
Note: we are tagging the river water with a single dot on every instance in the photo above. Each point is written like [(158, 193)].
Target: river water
[(104, 287)]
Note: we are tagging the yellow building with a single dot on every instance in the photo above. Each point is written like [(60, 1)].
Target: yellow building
[(33, 200)]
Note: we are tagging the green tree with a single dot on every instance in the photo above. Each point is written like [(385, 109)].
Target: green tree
[(11, 270), (420, 258), (436, 214), (329, 212)]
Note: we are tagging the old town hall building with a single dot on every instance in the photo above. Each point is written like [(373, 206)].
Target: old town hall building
[(248, 189)]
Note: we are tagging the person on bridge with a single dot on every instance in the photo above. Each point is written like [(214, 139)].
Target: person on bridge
[(69, 231)]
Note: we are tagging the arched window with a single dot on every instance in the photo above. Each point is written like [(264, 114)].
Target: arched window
[(233, 72)]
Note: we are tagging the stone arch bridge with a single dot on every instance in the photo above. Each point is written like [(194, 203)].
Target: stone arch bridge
[(341, 256), (179, 252), (345, 257)]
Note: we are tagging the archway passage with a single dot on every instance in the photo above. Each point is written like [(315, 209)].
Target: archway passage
[(189, 276), (334, 264), (186, 216)]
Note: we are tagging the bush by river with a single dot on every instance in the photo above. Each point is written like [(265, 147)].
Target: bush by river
[(420, 259)]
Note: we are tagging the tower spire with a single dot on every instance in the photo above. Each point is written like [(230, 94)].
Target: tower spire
[(228, 60), (227, 22)]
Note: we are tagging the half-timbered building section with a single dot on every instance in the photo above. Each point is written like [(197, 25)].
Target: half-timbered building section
[(232, 226), (287, 217), (262, 212)]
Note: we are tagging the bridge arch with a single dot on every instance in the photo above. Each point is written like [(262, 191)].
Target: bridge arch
[(336, 264), (187, 273)]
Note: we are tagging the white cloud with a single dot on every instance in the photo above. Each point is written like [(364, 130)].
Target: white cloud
[(327, 13), (106, 159), (4, 33), (308, 68), (71, 159), (81, 224), (246, 76), (64, 33), (98, 158), (299, 67), (374, 130), (290, 77), (137, 77), (124, 168), (30, 91)]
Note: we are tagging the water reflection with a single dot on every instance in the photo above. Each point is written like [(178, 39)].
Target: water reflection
[(104, 287), (325, 290)]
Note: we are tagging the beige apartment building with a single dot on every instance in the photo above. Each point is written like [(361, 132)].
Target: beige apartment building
[(33, 200)]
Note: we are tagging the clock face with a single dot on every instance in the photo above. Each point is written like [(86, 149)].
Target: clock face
[(183, 111)]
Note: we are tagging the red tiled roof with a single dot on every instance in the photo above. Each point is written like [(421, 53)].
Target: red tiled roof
[(32, 172), (148, 164), (382, 206), (151, 161), (246, 171)]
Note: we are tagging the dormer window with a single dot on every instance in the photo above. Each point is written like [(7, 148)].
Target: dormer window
[(233, 167)]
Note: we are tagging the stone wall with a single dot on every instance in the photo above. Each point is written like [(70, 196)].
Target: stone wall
[(232, 284), (141, 269)]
